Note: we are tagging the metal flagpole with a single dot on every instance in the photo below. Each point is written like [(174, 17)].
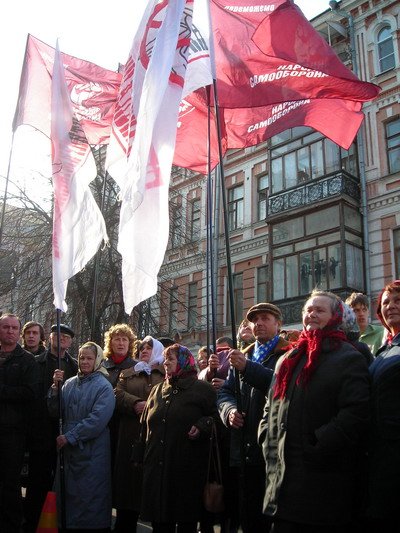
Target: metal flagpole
[(210, 258), (60, 427), (227, 248)]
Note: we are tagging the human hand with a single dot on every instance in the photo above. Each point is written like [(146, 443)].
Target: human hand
[(217, 383), (139, 407), (236, 419), (61, 441), (237, 359), (213, 361), (194, 433), (58, 377)]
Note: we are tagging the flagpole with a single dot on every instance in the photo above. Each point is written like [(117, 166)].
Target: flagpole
[(97, 260), (227, 248), (60, 427), (210, 259), (3, 209)]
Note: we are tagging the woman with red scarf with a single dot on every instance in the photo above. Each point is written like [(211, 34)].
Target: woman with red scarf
[(384, 450), (177, 422), (314, 422)]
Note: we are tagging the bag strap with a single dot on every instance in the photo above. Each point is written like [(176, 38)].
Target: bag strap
[(215, 454)]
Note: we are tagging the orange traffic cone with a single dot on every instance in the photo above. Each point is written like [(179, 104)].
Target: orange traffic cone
[(48, 516)]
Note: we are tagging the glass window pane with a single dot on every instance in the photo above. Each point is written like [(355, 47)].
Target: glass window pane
[(354, 267), (387, 63), (306, 282), (290, 170), (303, 165), (320, 269), (317, 162), (385, 33), (335, 266), (396, 245), (393, 128), (352, 218), (279, 279), (280, 137), (394, 160), (292, 269), (348, 158), (287, 231), (331, 156), (322, 220), (277, 178), (262, 281)]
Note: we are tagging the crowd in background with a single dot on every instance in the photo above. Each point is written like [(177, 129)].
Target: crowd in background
[(307, 424)]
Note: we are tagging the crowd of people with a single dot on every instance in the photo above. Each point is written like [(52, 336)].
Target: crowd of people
[(307, 424)]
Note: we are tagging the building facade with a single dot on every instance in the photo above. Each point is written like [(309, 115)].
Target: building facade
[(301, 211)]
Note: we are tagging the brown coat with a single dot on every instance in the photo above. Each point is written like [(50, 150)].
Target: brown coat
[(175, 467), (131, 388)]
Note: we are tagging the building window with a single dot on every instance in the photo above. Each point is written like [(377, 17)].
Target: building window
[(195, 219), (307, 158), (235, 207), (237, 298), (192, 305), (262, 197), (393, 145), (262, 284), (385, 49), (396, 250), (173, 309), (176, 225)]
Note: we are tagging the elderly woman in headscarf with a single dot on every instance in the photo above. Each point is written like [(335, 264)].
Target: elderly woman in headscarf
[(87, 406), (384, 449), (314, 422), (132, 391), (177, 422)]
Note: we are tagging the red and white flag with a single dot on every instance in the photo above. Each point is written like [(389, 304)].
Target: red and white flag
[(78, 225), (93, 92), (143, 140)]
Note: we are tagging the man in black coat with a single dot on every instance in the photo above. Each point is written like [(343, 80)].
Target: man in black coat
[(18, 389), (255, 366), (44, 429)]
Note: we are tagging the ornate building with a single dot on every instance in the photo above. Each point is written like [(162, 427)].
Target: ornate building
[(302, 212)]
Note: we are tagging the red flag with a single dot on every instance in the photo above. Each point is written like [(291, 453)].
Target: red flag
[(250, 126), (260, 59), (93, 91)]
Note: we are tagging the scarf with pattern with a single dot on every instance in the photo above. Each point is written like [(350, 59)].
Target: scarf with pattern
[(261, 351)]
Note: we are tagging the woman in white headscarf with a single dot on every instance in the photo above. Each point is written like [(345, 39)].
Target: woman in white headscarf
[(87, 406), (132, 391)]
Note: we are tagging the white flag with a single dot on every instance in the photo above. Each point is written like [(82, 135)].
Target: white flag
[(143, 141), (78, 225)]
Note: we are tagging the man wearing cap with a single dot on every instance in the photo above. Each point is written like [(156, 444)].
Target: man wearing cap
[(255, 366), (44, 430)]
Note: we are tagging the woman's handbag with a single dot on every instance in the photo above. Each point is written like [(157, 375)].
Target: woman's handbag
[(214, 490)]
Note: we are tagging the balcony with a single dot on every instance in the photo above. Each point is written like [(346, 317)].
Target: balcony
[(316, 190)]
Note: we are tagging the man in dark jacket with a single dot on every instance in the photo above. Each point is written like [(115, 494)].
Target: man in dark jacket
[(44, 429), (18, 389), (33, 338), (255, 366)]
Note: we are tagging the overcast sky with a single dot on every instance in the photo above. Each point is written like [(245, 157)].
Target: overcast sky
[(98, 32)]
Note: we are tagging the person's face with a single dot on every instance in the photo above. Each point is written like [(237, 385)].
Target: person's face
[(145, 352), (317, 312), (120, 345), (65, 341), (86, 361), (9, 332), (390, 307), (265, 326), (32, 337), (202, 360), (245, 332), (362, 314), (170, 364)]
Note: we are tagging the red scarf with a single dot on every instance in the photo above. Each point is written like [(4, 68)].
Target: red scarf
[(118, 358), (309, 343)]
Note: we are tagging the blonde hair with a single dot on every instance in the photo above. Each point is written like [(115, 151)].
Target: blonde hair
[(120, 329)]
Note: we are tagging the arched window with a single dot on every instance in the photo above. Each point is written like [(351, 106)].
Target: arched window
[(385, 49)]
